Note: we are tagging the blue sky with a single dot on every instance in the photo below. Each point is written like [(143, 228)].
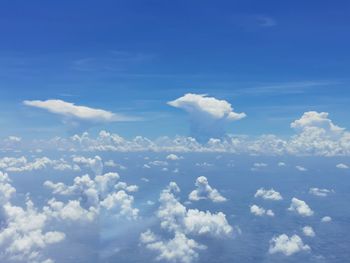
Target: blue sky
[(174, 131), (272, 60)]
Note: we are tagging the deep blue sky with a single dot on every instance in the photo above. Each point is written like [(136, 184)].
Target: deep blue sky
[(271, 59)]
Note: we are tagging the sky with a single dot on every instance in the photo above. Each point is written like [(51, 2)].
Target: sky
[(271, 60), (174, 131)]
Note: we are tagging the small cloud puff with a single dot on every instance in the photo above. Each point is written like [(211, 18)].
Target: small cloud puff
[(270, 194), (205, 191), (308, 231)]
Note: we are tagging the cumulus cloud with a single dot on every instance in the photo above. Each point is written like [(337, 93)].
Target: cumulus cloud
[(300, 207), (25, 231), (208, 115), (270, 194), (95, 164), (205, 191), (177, 219), (93, 194), (179, 249), (308, 231), (260, 211), (287, 245)]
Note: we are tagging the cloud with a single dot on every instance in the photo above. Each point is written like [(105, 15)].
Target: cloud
[(287, 245), (179, 249), (175, 218), (75, 116), (208, 115), (300, 207), (93, 194), (326, 219), (173, 157), (270, 194), (205, 191), (259, 211), (342, 166), (25, 232), (308, 231), (316, 119), (320, 192), (301, 168)]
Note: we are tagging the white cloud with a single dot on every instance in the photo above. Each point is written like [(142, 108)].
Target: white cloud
[(71, 110), (177, 219), (205, 191), (102, 191), (258, 165), (301, 168), (316, 119), (210, 106), (320, 192), (280, 164), (300, 207), (308, 231), (208, 115), (179, 249), (326, 219), (260, 211), (173, 157), (95, 164), (25, 232), (287, 245), (270, 194), (342, 166)]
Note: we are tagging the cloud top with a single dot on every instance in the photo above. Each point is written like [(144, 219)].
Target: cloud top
[(201, 103)]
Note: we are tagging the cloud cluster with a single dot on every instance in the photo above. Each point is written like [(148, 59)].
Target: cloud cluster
[(25, 231), (205, 191), (177, 219), (260, 211), (93, 194), (315, 135)]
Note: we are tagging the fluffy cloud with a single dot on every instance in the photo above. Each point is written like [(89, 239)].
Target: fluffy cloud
[(300, 207), (71, 110), (179, 249), (308, 231), (95, 193), (301, 168), (208, 115), (259, 211), (95, 164), (270, 194), (205, 191), (320, 192), (287, 245), (177, 219), (24, 233)]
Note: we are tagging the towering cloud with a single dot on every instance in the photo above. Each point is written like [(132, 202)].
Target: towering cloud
[(208, 115)]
